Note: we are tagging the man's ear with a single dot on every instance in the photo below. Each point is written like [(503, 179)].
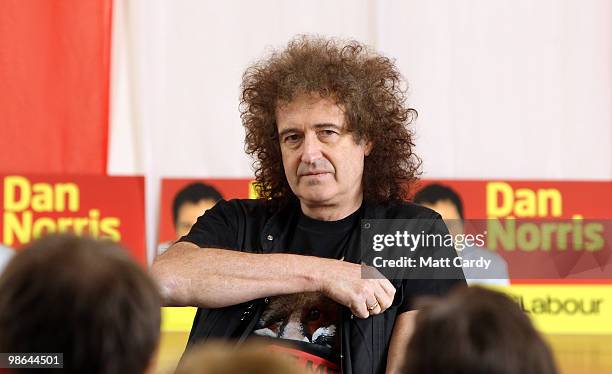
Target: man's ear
[(368, 147)]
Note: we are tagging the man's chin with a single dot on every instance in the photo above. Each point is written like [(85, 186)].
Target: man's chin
[(316, 196)]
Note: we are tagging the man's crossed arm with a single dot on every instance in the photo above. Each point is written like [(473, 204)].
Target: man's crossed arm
[(191, 276)]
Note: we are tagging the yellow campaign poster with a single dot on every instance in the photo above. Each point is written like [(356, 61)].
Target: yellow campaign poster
[(565, 309), (177, 318), (553, 308)]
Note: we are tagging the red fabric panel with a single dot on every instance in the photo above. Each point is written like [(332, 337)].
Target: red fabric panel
[(54, 85)]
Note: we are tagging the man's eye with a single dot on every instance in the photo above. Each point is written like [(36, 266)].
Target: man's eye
[(292, 138), (327, 133)]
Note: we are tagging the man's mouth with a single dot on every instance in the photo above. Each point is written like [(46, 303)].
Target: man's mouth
[(312, 173)]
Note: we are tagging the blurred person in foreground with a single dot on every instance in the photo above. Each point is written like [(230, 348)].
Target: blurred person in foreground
[(319, 117), (223, 358), (476, 331), (448, 204), (84, 298)]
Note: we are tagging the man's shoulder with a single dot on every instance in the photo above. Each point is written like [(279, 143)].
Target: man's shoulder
[(400, 209), (263, 209), (248, 204), (249, 207)]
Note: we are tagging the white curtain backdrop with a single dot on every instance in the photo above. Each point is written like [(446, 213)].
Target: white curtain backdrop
[(515, 89), (505, 89)]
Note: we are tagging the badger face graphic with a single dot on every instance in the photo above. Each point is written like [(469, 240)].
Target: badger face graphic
[(308, 317)]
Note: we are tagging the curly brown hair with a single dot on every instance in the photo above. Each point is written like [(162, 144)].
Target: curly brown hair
[(366, 84)]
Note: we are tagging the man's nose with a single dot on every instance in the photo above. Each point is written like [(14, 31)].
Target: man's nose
[(311, 149)]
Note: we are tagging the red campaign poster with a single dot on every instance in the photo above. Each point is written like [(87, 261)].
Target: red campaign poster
[(547, 231), (54, 85), (481, 199), (532, 199), (97, 206), (227, 188), (536, 206)]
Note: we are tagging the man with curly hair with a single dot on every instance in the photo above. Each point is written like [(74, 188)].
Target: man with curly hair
[(327, 125)]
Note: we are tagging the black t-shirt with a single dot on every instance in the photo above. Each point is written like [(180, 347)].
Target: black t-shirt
[(255, 226), (308, 322), (327, 239)]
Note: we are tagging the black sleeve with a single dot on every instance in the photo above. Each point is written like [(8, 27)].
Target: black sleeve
[(217, 228), (414, 288)]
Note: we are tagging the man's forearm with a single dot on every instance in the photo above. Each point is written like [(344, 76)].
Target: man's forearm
[(191, 276)]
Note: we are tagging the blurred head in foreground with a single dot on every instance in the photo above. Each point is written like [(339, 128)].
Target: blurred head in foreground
[(225, 358), (83, 298), (476, 331)]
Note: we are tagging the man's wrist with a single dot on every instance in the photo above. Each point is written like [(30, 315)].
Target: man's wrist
[(314, 273)]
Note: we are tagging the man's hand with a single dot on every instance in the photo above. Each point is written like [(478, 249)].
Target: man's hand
[(342, 282)]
